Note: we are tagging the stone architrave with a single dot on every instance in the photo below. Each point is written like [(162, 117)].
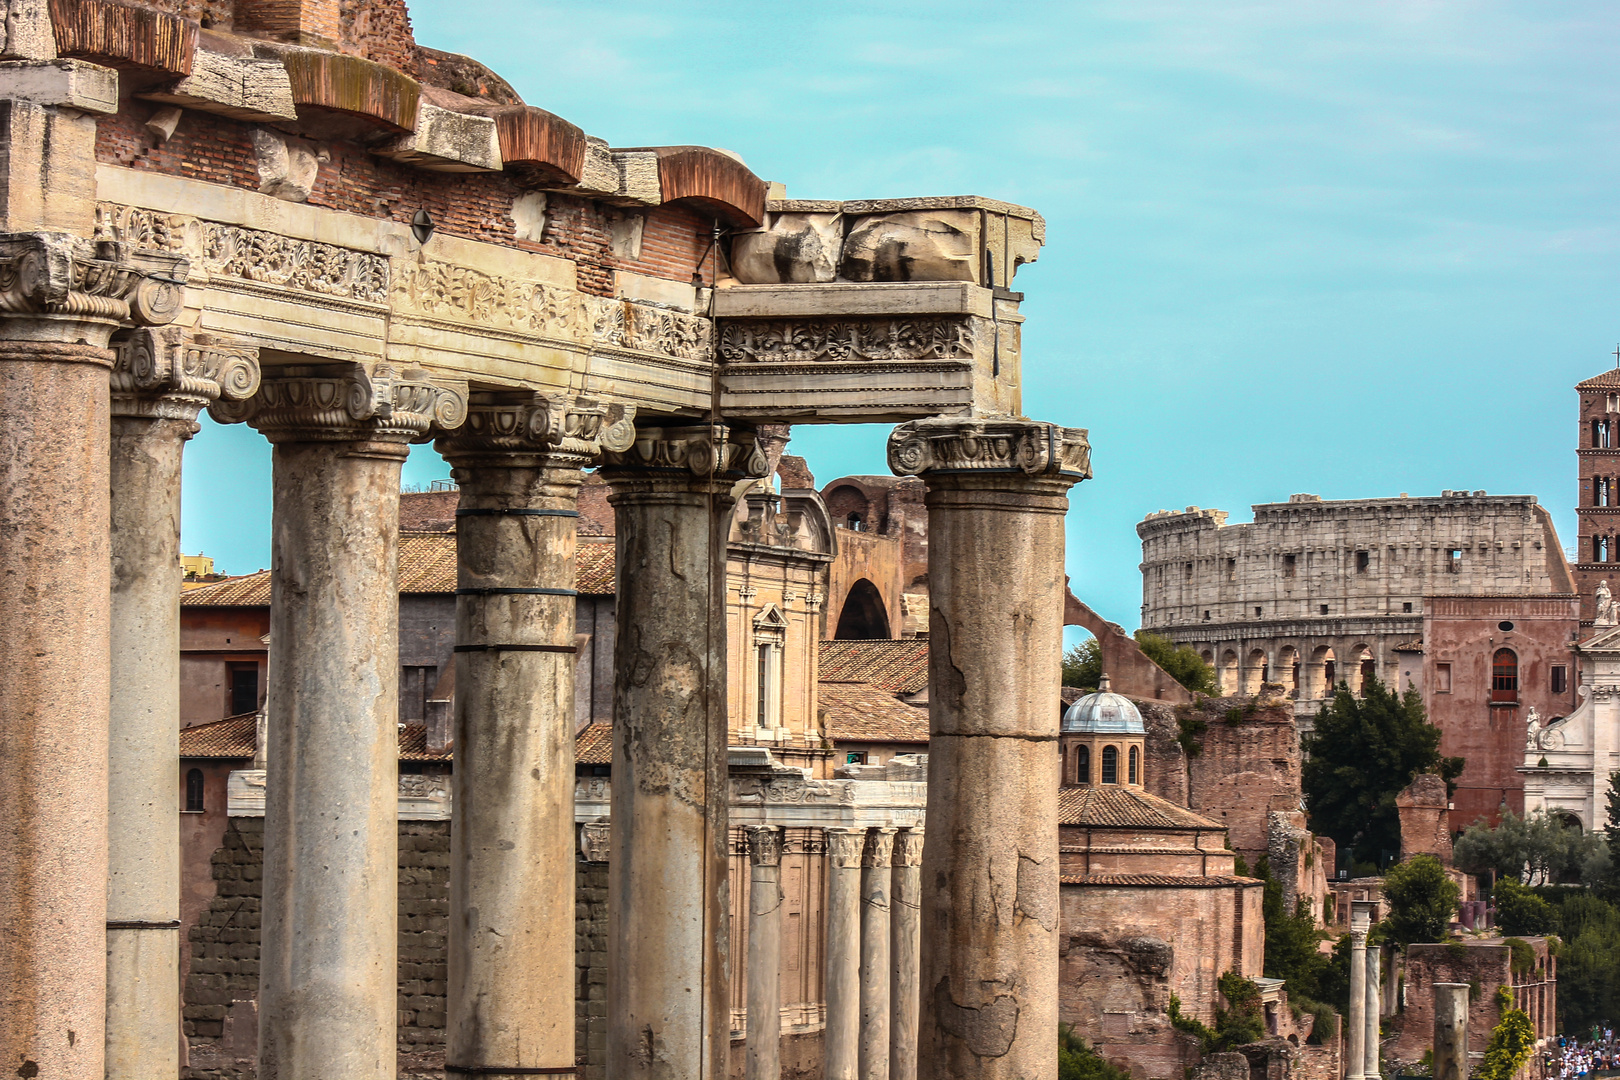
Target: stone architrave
[(668, 1010), (328, 975), (996, 500), (1355, 1059), (61, 298), (1375, 1013), (842, 1041), (764, 1035), (905, 943), (517, 462), (161, 380), (875, 944), (1450, 1031)]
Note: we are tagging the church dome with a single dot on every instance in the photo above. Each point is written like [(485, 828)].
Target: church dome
[(1103, 713)]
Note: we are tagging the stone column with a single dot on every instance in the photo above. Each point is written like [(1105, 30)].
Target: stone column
[(61, 299), (1450, 1031), (905, 942), (996, 499), (668, 1007), (517, 462), (328, 973), (841, 1046), (1375, 1013), (160, 381), (875, 943), (764, 1053), (1355, 1058)]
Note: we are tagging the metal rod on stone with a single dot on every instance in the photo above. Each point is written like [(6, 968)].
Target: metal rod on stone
[(1450, 1031)]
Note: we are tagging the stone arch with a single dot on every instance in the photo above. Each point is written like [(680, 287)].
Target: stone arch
[(1256, 671), (1228, 672), (1358, 666), (864, 616), (1568, 819), (850, 508), (1322, 674), (1288, 670)]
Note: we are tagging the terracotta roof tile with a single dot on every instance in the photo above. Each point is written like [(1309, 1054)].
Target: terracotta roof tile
[(413, 744), (594, 745), (427, 565), (1155, 881), (231, 737), (1609, 380), (862, 712), (900, 667), (1125, 807)]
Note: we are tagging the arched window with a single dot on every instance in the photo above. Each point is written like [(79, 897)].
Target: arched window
[(1504, 676), (1131, 772), (194, 791), (1110, 765), (1082, 765)]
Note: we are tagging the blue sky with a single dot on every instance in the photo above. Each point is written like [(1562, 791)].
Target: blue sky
[(1352, 249)]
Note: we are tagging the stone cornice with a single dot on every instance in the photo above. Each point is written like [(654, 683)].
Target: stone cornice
[(306, 405), (989, 444), (63, 278), (722, 451), (164, 374), (565, 429)]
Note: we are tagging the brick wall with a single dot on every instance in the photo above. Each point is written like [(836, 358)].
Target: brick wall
[(1484, 966), (1248, 767), (590, 961)]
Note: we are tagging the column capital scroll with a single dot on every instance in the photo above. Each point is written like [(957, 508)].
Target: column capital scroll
[(564, 428), (165, 374), (908, 845), (879, 848), (845, 847), (765, 845), (997, 444), (64, 286), (307, 404), (723, 451)]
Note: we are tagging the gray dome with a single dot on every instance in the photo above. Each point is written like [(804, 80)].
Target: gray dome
[(1103, 713)]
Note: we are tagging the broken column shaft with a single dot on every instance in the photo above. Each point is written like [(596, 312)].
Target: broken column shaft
[(1450, 1031)]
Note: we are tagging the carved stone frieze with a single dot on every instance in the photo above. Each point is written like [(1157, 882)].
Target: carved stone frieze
[(816, 341), (846, 847), (765, 846), (445, 291), (908, 845), (717, 450), (162, 373), (879, 848), (571, 429), (97, 281), (996, 444), (255, 255), (593, 841), (643, 328), (302, 405)]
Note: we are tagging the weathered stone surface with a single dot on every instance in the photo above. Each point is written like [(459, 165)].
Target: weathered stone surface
[(793, 248), (40, 142), (287, 166), (1355, 1061), (27, 31), (841, 1049), (73, 84), (874, 949), (250, 88), (920, 246), (1451, 1031), (765, 900), (905, 946), (447, 141)]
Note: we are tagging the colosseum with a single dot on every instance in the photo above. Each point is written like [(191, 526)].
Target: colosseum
[(1315, 592)]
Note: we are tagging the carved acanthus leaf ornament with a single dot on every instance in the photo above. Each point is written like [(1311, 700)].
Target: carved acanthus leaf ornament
[(815, 341), (568, 429), (164, 373), (718, 450), (298, 405), (991, 444)]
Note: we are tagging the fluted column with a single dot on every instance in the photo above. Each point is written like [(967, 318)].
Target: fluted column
[(1450, 1031), (875, 884), (328, 973), (996, 499), (61, 298), (1355, 1058), (764, 1043), (841, 1046), (668, 898), (160, 381), (1374, 1013), (905, 941), (517, 462)]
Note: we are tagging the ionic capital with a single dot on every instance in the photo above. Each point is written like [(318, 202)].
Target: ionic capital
[(563, 429), (765, 846), (995, 444), (845, 848), (163, 374), (65, 287), (879, 848), (299, 404), (1361, 918), (908, 845), (719, 451)]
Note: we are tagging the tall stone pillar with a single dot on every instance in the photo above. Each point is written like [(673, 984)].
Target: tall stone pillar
[(996, 499), (517, 462), (61, 300), (328, 973), (764, 1043), (668, 1007), (905, 943), (1355, 1058), (841, 1041), (160, 381), (875, 943), (1450, 1031), (1375, 1013)]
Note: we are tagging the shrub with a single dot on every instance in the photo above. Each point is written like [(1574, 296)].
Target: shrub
[(1520, 911), (1421, 898)]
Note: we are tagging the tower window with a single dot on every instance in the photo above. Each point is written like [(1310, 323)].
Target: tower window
[(1132, 768), (194, 791), (1110, 765), (1504, 676), (1442, 678), (1082, 765), (1322, 608)]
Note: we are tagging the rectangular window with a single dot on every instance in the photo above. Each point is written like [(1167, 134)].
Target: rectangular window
[(1407, 607), (1290, 565), (1453, 560), (1257, 613), (763, 681), (1442, 678), (416, 682), (244, 689), (1560, 678), (1363, 560), (1322, 608), (855, 757), (1231, 569)]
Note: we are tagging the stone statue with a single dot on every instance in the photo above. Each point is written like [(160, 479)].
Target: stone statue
[(1605, 614), (1532, 725)]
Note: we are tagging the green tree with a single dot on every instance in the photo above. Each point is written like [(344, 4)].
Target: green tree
[(1240, 1021), (1077, 1061), (1588, 961), (1181, 662), (1538, 849), (1611, 833), (1082, 665), (1511, 1042), (1361, 754), (1421, 897), (1520, 911), (1292, 954)]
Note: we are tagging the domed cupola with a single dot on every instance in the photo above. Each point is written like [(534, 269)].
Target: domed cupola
[(1103, 741), (1103, 713)]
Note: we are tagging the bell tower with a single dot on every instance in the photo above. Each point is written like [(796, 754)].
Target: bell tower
[(1597, 506)]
